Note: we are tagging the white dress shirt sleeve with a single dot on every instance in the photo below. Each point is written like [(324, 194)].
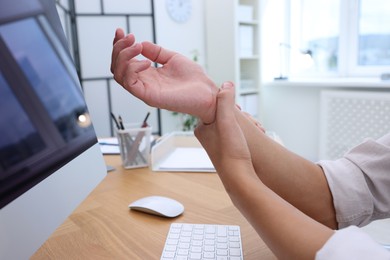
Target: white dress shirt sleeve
[(352, 243), (360, 183)]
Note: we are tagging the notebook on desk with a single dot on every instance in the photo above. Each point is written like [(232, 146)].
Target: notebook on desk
[(180, 152), (187, 159)]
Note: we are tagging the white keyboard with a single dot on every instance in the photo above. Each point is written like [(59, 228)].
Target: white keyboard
[(202, 241)]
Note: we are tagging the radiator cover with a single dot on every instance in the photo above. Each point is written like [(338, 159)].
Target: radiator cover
[(349, 117)]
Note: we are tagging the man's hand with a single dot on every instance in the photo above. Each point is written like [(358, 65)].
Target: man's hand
[(178, 85), (224, 140)]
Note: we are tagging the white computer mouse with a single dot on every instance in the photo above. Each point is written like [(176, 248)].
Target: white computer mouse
[(158, 205)]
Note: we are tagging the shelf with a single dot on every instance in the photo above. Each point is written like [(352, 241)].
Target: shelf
[(252, 22), (249, 91), (333, 83), (237, 30), (254, 57)]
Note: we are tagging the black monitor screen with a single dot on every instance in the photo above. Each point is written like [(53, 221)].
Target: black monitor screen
[(44, 120), (20, 140)]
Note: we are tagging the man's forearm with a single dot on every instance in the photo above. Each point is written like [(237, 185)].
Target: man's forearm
[(297, 180), (288, 232)]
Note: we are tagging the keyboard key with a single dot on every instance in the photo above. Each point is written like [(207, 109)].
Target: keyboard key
[(222, 231), (184, 245), (196, 249), (234, 239), (198, 237), (174, 235), (185, 239), (235, 252), (222, 246), (170, 248), (209, 248), (209, 242), (234, 245), (209, 255), (182, 252), (222, 240), (197, 242), (169, 254), (195, 256), (172, 242)]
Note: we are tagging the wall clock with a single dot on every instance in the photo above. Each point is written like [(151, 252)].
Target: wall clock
[(179, 10)]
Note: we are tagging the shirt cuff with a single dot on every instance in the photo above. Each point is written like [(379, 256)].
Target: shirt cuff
[(351, 195)]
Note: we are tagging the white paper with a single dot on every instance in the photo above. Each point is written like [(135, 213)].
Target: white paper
[(109, 145), (187, 159)]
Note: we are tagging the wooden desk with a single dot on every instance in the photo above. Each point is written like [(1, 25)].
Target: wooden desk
[(103, 227)]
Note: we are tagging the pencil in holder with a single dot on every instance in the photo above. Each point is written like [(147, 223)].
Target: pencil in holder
[(134, 145)]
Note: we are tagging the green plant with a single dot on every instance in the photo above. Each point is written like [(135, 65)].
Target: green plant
[(188, 122)]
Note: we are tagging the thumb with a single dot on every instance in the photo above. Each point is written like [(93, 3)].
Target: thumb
[(226, 102), (156, 53)]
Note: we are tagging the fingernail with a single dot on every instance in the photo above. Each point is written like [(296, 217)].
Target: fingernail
[(227, 85), (137, 45)]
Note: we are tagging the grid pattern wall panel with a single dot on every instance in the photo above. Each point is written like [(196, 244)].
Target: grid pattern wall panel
[(97, 99), (95, 36), (349, 117), (95, 22), (142, 27), (88, 6), (126, 6)]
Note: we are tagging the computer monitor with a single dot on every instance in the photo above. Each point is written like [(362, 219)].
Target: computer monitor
[(49, 156)]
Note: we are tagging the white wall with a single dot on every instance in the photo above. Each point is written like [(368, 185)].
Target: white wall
[(183, 38), (293, 113), (292, 110)]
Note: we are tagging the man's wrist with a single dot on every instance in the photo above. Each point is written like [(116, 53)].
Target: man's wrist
[(208, 116)]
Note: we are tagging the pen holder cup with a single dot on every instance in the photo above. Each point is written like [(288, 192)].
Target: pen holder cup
[(134, 145)]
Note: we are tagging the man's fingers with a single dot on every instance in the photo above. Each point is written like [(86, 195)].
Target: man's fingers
[(119, 34), (119, 45), (254, 120), (123, 59), (131, 80), (226, 102), (156, 53)]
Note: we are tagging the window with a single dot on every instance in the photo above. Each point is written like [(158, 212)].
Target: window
[(317, 34), (345, 38), (372, 37)]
